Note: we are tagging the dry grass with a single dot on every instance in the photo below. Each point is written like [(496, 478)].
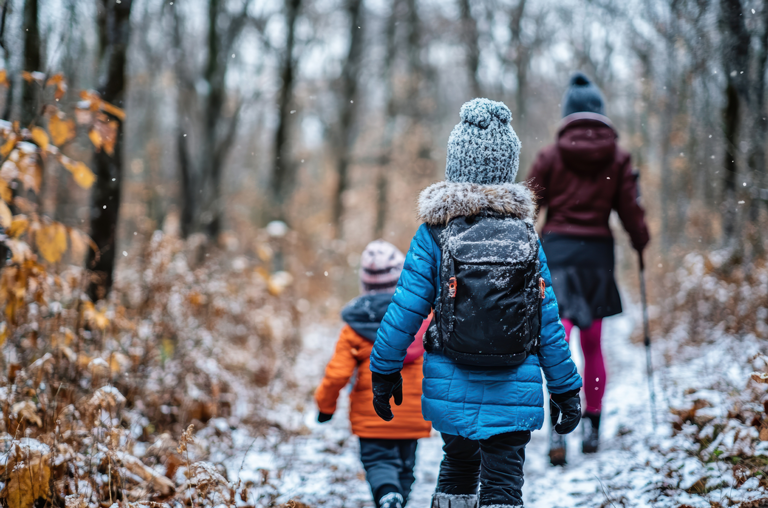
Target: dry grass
[(92, 396)]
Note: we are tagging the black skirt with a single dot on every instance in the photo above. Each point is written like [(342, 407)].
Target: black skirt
[(582, 276)]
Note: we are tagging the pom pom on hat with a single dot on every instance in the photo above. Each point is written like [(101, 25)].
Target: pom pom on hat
[(480, 112)]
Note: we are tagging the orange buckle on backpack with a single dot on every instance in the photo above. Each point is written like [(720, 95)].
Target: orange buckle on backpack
[(543, 287), (452, 287)]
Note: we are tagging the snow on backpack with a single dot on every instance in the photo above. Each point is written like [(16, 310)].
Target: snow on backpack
[(488, 311)]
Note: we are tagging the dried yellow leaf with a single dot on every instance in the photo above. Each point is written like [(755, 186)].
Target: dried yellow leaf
[(9, 145), (78, 244), (83, 360), (94, 317), (19, 225), (82, 174), (40, 137), (93, 98), (113, 110), (27, 410), (51, 240), (6, 217), (61, 130), (55, 79), (196, 299), (60, 83), (4, 78), (3, 332), (6, 194), (31, 173), (264, 252), (95, 138), (262, 272), (119, 363), (29, 475)]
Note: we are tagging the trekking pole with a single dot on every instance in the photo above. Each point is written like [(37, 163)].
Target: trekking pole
[(647, 341)]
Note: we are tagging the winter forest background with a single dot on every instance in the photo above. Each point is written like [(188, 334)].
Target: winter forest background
[(186, 187)]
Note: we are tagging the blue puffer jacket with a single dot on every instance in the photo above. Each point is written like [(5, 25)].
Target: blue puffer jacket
[(467, 401)]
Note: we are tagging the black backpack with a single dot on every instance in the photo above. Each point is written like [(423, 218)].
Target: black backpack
[(489, 305)]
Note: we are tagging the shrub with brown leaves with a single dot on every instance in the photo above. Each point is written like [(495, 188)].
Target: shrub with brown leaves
[(92, 394)]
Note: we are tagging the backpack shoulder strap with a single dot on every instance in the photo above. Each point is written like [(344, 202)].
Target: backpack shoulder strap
[(436, 232)]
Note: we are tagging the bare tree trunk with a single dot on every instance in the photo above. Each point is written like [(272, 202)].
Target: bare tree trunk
[(522, 61), (382, 179), (470, 39), (284, 169), (421, 90), (190, 199), (415, 63), (202, 203), (105, 197), (671, 101), (730, 132), (736, 44), (350, 77), (31, 62), (759, 131), (6, 59), (202, 162)]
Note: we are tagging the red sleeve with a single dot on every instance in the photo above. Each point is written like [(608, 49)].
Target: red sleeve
[(629, 209), (337, 373), (538, 178)]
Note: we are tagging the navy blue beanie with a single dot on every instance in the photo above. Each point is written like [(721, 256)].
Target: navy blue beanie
[(582, 96)]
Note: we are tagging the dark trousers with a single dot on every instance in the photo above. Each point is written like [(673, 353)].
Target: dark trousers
[(496, 464), (388, 465)]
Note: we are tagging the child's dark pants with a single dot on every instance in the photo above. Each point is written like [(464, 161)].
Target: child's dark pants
[(495, 463), (388, 465)]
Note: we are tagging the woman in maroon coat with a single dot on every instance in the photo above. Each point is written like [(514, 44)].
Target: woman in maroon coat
[(580, 179)]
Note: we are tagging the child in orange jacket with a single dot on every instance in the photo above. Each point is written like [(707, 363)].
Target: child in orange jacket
[(387, 449)]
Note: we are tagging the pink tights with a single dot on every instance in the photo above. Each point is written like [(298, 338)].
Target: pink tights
[(594, 365)]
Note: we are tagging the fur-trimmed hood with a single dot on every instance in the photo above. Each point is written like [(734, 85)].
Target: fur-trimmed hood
[(443, 201)]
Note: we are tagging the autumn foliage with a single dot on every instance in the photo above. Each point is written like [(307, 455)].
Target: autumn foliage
[(97, 399), (102, 401)]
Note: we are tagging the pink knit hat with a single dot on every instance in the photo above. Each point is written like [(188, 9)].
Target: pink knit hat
[(380, 266)]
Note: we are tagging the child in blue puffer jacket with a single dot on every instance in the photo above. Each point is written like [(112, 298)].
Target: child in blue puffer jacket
[(494, 331)]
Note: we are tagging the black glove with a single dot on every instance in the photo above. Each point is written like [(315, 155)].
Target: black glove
[(569, 404), (324, 417), (386, 386)]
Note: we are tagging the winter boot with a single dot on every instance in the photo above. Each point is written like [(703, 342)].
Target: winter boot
[(556, 448), (391, 500), (591, 431), (442, 500)]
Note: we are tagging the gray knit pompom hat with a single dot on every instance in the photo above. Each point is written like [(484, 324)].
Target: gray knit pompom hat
[(483, 148)]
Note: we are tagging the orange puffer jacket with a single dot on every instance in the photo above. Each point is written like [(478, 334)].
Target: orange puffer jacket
[(353, 351)]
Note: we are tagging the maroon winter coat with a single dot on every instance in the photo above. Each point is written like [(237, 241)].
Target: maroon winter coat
[(585, 175)]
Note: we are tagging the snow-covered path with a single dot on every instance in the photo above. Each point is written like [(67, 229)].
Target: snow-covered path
[(626, 412), (323, 469)]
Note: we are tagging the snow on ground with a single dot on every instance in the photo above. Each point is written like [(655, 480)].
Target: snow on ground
[(321, 468)]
